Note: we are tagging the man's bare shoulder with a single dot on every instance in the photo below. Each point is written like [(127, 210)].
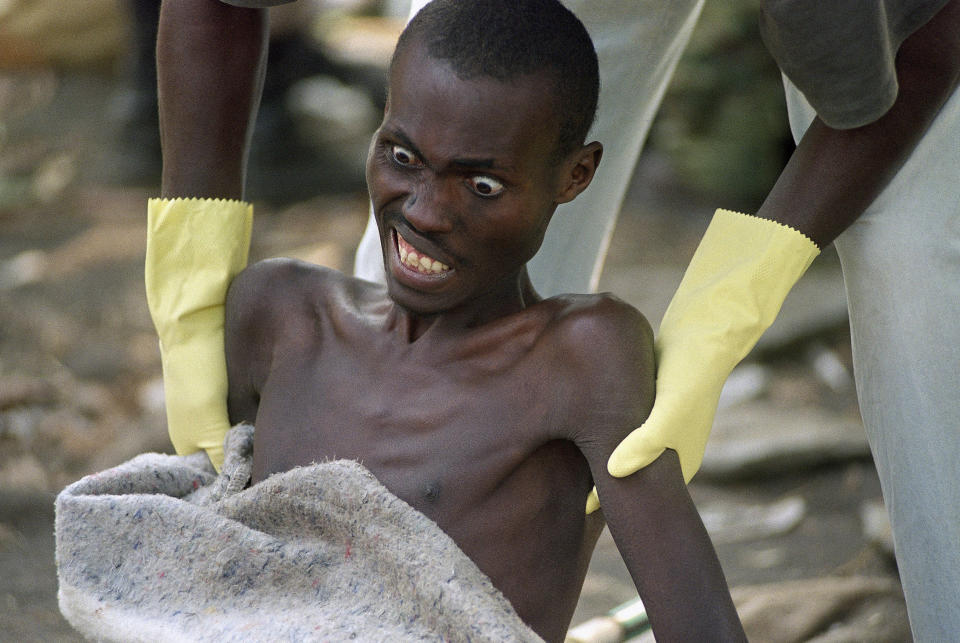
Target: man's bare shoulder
[(275, 307), (603, 349), (610, 313), (601, 331), (279, 301), (281, 277), (281, 290)]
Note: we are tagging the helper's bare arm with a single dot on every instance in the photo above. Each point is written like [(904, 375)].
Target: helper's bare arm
[(834, 175), (210, 65)]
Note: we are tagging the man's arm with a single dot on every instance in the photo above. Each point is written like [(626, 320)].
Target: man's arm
[(668, 552), (267, 307), (250, 332), (834, 175), (210, 66), (657, 529)]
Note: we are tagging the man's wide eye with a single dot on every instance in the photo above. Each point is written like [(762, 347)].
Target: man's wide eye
[(485, 185), (403, 156)]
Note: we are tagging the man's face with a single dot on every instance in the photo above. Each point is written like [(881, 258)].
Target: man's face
[(463, 178)]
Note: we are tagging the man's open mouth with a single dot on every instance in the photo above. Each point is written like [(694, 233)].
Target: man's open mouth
[(416, 260)]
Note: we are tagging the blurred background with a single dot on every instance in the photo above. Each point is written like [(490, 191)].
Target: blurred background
[(787, 490)]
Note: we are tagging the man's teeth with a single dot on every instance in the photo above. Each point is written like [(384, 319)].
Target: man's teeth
[(419, 262)]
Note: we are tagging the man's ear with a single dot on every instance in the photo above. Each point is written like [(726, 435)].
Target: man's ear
[(578, 170)]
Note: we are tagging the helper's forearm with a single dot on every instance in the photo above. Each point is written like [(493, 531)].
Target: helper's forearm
[(834, 175), (210, 65)]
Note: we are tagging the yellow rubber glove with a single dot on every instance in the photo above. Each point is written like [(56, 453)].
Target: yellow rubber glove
[(731, 293), (194, 249)]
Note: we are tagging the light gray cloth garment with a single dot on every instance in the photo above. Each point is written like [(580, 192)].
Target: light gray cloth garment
[(162, 549), (901, 268), (841, 54)]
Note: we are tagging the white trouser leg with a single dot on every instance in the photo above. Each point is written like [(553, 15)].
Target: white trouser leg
[(638, 44), (901, 266)]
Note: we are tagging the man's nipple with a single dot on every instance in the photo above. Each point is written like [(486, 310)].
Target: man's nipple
[(431, 491)]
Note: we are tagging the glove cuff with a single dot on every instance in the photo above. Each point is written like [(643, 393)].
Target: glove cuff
[(762, 250), (739, 276), (195, 247)]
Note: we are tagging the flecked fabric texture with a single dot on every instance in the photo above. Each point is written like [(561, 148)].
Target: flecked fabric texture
[(160, 548)]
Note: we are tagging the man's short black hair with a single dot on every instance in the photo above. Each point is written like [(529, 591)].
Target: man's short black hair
[(506, 39)]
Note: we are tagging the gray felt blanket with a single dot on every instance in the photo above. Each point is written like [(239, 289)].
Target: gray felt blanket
[(161, 549)]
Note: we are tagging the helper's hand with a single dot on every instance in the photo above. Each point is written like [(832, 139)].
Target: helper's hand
[(194, 249), (731, 293)]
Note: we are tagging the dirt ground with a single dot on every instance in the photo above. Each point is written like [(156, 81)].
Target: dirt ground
[(79, 366)]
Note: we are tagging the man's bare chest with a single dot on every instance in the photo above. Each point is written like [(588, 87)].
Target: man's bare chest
[(440, 435)]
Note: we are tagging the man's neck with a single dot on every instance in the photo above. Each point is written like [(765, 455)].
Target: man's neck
[(518, 295)]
